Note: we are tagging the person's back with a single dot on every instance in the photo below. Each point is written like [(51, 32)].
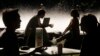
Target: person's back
[(91, 40), (75, 22), (30, 31), (11, 19), (75, 28)]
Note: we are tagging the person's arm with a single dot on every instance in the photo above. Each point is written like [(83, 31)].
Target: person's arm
[(43, 26), (63, 34), (50, 25), (68, 28), (60, 38)]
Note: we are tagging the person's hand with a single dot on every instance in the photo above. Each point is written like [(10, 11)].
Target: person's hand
[(51, 25), (62, 35), (40, 49), (54, 41)]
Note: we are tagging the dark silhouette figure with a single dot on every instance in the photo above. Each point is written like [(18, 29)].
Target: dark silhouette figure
[(72, 38), (90, 43), (11, 19), (30, 31)]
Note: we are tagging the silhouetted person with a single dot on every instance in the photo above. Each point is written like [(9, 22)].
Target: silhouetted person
[(90, 43), (11, 19), (30, 31), (72, 38)]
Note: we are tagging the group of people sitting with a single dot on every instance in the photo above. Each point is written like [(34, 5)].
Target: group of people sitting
[(89, 24)]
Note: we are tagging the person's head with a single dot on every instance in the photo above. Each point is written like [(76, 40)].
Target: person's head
[(88, 23), (11, 18), (74, 13), (41, 13)]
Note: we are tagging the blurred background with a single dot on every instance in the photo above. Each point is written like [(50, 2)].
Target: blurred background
[(57, 10)]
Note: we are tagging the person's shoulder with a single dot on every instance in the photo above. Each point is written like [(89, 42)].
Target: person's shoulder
[(34, 18)]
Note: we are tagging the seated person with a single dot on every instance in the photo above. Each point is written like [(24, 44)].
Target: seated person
[(72, 38), (90, 44), (30, 31), (9, 42)]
